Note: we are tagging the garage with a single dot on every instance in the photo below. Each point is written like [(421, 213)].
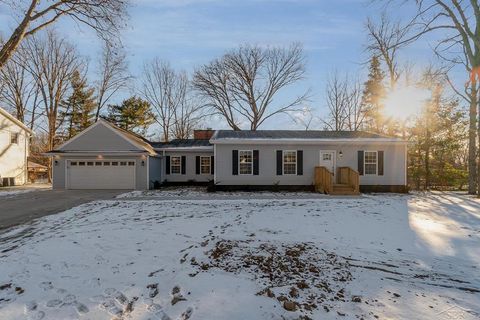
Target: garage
[(105, 174)]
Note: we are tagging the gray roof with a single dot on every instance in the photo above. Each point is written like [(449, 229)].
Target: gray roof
[(181, 143), (297, 134)]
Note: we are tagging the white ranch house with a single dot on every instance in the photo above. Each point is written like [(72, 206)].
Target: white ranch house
[(106, 157)]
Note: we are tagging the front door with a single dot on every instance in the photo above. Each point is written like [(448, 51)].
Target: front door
[(327, 160)]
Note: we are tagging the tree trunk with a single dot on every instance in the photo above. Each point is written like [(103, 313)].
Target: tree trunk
[(472, 140)]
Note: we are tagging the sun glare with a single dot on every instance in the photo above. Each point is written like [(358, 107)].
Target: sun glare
[(405, 102)]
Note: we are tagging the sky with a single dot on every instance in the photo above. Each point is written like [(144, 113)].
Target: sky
[(189, 33)]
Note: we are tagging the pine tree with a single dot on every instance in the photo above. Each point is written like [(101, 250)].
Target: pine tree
[(373, 95), (134, 114), (78, 109)]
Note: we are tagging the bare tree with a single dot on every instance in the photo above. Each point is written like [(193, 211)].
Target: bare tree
[(165, 90), (20, 91), (385, 39), (113, 76), (337, 103), (52, 62), (356, 110), (241, 85), (104, 16), (187, 116), (304, 117), (459, 24), (346, 110)]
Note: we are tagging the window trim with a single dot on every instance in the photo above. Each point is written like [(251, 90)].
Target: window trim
[(179, 165), (365, 163), (17, 136), (283, 163), (251, 163), (209, 165)]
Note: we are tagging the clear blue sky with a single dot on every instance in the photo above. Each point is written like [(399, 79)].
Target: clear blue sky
[(189, 33)]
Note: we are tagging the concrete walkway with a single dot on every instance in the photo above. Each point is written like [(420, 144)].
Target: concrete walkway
[(24, 207)]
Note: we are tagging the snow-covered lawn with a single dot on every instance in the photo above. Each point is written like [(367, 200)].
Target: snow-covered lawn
[(379, 256)]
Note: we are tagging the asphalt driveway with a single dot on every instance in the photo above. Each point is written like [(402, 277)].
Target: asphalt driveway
[(24, 207)]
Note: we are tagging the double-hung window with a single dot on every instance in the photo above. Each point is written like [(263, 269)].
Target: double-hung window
[(205, 165), (371, 162), (289, 162), (14, 138), (245, 161), (175, 164)]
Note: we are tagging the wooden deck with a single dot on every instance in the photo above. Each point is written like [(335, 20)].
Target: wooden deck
[(347, 181)]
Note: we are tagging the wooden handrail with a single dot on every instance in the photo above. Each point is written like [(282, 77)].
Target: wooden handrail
[(323, 180), (348, 176)]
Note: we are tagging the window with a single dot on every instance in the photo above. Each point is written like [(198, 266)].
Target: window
[(73, 163), (81, 163), (131, 163), (107, 163), (326, 156), (123, 163), (175, 165), (98, 163), (90, 164), (245, 160), (370, 162), (289, 162), (114, 163), (13, 138), (205, 165)]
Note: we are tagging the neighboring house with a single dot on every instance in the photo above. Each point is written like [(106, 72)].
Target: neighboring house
[(106, 157), (37, 173), (14, 150)]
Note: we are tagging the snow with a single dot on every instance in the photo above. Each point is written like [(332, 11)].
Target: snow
[(12, 193), (215, 255)]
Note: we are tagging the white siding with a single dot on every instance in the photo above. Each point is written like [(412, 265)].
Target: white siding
[(394, 163), (13, 157)]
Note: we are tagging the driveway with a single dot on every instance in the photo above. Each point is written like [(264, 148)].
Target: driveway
[(24, 207)]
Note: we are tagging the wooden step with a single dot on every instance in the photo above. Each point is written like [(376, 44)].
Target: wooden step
[(343, 189)]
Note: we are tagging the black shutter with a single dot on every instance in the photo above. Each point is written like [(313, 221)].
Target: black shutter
[(255, 162), (360, 162), (184, 163), (212, 164), (299, 162), (235, 162), (279, 162), (380, 163), (167, 164), (197, 164)]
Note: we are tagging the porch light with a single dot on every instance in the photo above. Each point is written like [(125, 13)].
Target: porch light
[(340, 154), (56, 162), (143, 163), (99, 156)]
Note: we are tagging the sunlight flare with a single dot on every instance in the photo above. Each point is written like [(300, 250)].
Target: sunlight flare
[(405, 102)]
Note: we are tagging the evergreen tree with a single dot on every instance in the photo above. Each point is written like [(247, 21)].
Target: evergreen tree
[(373, 95), (437, 152), (78, 109), (134, 114)]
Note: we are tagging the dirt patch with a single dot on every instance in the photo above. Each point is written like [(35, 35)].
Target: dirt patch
[(300, 276)]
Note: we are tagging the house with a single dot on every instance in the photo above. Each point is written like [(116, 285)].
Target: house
[(14, 150), (287, 159), (37, 173), (106, 157)]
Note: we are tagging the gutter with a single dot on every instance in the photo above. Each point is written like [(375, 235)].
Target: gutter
[(306, 141)]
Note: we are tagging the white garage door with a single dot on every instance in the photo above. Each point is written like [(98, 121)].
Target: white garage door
[(117, 174)]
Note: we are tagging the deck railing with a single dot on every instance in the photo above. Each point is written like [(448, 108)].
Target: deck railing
[(348, 176), (323, 180)]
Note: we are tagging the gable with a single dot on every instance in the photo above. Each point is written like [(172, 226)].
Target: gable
[(99, 137), (10, 123)]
